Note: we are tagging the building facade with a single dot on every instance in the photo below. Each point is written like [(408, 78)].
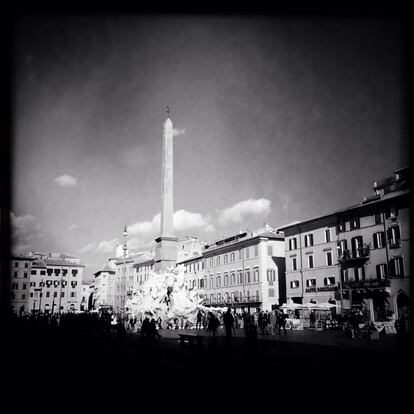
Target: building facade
[(20, 279), (358, 257), (245, 271)]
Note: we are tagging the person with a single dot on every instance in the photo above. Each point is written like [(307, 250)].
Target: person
[(272, 322), (199, 318), (152, 331), (228, 320), (213, 323), (282, 322), (312, 319), (260, 323), (145, 327)]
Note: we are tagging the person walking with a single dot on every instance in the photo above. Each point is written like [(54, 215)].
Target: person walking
[(213, 323), (272, 322)]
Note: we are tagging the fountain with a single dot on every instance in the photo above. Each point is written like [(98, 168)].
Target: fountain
[(166, 296)]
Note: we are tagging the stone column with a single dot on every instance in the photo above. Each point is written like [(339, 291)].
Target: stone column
[(166, 251)]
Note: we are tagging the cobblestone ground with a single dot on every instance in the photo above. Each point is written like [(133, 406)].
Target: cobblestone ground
[(301, 365)]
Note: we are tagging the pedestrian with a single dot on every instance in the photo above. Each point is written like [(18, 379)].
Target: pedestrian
[(228, 321), (272, 322), (282, 322), (213, 323), (153, 333), (199, 319), (145, 327)]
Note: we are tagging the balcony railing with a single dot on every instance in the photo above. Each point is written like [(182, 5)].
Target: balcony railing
[(230, 302), (314, 289), (367, 283), (352, 258)]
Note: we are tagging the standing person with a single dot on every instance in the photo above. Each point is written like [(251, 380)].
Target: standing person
[(199, 319), (272, 322), (282, 322), (213, 323), (228, 321)]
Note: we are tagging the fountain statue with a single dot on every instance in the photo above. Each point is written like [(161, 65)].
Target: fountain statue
[(167, 296)]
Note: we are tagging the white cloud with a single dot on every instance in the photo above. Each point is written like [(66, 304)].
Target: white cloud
[(247, 208), (185, 221), (23, 229), (65, 180), (177, 132), (90, 247), (73, 227), (107, 246)]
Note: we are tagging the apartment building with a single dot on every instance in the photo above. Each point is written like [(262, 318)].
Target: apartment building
[(355, 257)]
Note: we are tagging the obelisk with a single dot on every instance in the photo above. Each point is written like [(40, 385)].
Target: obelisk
[(166, 251)]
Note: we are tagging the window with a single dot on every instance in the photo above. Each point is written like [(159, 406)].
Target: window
[(294, 284), (354, 223), (394, 236), (73, 294), (43, 273), (379, 240), (211, 283), (378, 218), (226, 279), (294, 263), (381, 271), (247, 250), (247, 277), (293, 243), (271, 276), (397, 266), (15, 286), (340, 227), (16, 264), (310, 261), (308, 240), (55, 294), (32, 284), (359, 273), (240, 277), (327, 235), (256, 275), (65, 271), (356, 243), (233, 278), (25, 274), (49, 272), (311, 282), (23, 296), (256, 250), (211, 262), (15, 274), (329, 281), (342, 244), (391, 213), (56, 271), (26, 265), (74, 272), (33, 272), (240, 254), (225, 259), (329, 259), (24, 286), (270, 250), (31, 294), (217, 261), (47, 294)]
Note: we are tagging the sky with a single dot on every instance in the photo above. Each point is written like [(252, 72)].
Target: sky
[(276, 119)]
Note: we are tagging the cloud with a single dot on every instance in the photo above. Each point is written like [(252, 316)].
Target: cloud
[(65, 180), (107, 246), (185, 221), (177, 132), (244, 209), (90, 247), (23, 229), (73, 227)]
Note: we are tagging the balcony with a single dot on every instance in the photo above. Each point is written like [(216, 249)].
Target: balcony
[(366, 284), (314, 289), (245, 300), (358, 257)]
